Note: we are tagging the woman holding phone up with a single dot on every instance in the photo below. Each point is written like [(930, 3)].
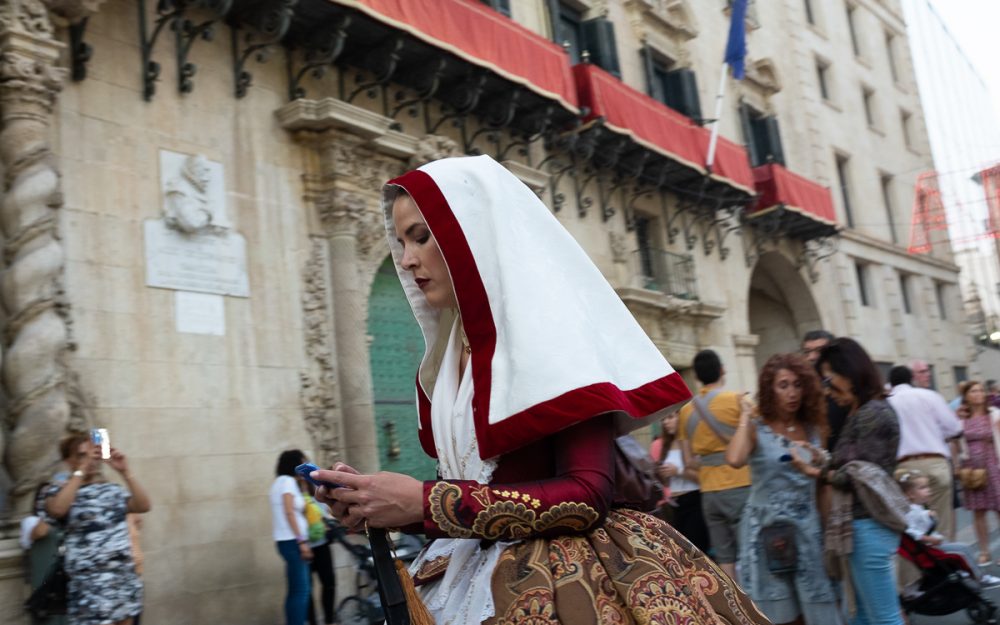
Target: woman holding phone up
[(103, 587)]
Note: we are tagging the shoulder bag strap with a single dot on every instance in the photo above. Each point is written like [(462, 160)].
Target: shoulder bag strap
[(723, 431)]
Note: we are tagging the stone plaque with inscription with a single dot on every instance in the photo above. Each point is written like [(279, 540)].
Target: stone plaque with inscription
[(202, 262)]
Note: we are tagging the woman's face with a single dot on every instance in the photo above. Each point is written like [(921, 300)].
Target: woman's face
[(787, 392), (838, 387), (669, 423), (421, 254), (976, 395)]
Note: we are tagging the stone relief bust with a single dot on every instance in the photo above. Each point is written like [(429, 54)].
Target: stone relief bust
[(188, 205)]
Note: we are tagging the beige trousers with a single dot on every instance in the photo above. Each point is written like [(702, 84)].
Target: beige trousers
[(938, 472)]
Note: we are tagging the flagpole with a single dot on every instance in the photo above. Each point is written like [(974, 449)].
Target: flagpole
[(714, 140)]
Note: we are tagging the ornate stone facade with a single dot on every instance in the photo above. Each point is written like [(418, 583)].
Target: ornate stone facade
[(36, 334)]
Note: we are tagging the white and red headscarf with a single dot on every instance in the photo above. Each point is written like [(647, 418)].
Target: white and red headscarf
[(552, 343)]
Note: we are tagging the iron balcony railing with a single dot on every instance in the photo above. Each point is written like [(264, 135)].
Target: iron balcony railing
[(667, 272)]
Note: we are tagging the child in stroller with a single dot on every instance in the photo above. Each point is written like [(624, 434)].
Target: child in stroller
[(949, 578)]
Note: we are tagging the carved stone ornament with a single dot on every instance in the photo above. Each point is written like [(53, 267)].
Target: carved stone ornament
[(763, 74), (188, 205), (673, 17), (619, 247), (318, 381), (434, 147), (74, 10), (25, 16), (36, 335)]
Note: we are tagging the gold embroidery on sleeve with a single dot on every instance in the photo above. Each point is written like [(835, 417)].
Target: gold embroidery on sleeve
[(481, 494), (504, 519), (572, 515), (443, 502)]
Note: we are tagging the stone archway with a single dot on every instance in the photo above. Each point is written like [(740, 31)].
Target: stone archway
[(780, 306)]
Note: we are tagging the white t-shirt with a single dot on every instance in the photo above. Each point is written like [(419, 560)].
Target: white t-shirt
[(287, 484), (679, 484)]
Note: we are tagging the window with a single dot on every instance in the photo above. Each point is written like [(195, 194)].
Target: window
[(890, 51), (852, 27), (940, 294), (886, 183), (961, 374), (823, 78), (864, 289), (594, 38), (762, 137), (646, 252), (868, 98), (810, 17), (906, 123), (567, 28), (677, 88), (500, 6), (904, 293), (843, 180)]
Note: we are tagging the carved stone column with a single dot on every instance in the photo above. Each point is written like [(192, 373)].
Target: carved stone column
[(35, 336)]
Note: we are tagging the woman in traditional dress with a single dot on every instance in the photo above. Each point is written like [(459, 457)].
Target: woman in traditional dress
[(784, 448), (532, 366), (104, 587)]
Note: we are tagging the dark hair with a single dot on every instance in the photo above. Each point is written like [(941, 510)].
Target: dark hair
[(667, 438), (965, 393), (812, 409), (69, 444), (846, 357), (816, 335), (900, 374), (288, 460), (707, 366)]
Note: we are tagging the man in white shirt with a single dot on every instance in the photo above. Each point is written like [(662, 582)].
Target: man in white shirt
[(925, 426)]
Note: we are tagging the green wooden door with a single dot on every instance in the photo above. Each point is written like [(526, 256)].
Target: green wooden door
[(396, 348)]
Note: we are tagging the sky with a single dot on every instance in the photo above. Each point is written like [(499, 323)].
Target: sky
[(975, 23)]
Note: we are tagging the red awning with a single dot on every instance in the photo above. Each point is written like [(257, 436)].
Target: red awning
[(475, 33), (779, 187), (659, 128)]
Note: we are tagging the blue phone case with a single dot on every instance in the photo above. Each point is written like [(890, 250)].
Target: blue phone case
[(305, 469)]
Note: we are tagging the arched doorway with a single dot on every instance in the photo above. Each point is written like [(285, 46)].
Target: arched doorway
[(781, 307), (395, 352)]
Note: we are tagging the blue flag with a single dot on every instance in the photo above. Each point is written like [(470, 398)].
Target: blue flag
[(736, 46)]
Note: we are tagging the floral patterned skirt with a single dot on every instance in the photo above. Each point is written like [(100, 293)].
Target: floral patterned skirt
[(633, 569)]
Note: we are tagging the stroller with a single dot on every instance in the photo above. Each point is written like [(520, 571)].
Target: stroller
[(946, 585)]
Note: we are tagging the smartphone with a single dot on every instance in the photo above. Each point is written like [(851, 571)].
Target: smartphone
[(99, 437), (305, 469)]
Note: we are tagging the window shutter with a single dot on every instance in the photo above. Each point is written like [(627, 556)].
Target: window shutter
[(775, 151), (646, 53), (748, 137), (599, 40), (683, 96), (557, 35)]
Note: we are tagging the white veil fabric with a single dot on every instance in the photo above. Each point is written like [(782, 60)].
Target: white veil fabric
[(552, 343)]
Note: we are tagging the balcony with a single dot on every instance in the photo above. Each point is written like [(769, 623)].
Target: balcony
[(666, 272), (791, 206)]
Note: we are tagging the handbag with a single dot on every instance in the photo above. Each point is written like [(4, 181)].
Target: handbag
[(50, 598), (972, 479), (636, 483), (780, 548)]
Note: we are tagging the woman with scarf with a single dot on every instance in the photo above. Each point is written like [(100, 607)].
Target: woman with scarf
[(532, 366)]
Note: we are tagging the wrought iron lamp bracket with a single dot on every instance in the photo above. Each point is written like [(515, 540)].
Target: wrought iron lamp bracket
[(764, 232), (815, 251), (537, 128), (498, 117), (186, 32), (428, 83), (385, 63), (317, 59), (269, 24), (470, 92), (167, 12)]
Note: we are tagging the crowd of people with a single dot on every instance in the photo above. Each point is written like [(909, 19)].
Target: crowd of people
[(807, 485)]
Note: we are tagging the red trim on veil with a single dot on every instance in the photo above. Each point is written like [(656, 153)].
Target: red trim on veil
[(544, 418)]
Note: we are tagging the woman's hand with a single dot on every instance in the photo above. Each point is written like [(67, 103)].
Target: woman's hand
[(747, 406), (118, 462), (322, 495), (305, 551), (380, 500), (667, 471), (808, 469)]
